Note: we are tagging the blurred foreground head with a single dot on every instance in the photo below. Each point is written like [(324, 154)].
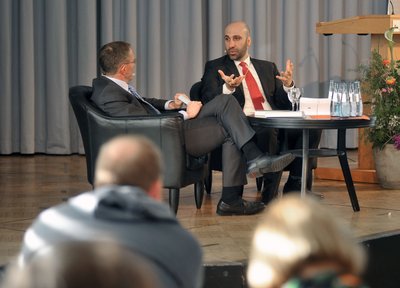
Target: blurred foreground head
[(82, 265), (297, 237), (130, 160)]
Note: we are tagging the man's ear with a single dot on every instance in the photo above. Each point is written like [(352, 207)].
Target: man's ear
[(248, 41), (155, 190), (122, 69)]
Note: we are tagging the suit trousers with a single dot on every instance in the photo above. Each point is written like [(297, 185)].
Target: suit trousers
[(221, 122)]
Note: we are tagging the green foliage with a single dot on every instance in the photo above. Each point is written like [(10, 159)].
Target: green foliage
[(381, 82)]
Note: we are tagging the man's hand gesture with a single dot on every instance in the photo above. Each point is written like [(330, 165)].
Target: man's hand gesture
[(287, 76), (231, 81)]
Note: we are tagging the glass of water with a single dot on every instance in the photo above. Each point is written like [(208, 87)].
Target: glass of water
[(294, 95)]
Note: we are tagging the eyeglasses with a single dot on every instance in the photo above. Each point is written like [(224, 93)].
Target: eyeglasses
[(131, 62)]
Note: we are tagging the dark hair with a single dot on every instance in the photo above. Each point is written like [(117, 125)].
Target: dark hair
[(112, 55), (83, 264)]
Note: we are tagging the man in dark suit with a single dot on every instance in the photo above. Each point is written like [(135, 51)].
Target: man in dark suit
[(228, 76), (221, 122)]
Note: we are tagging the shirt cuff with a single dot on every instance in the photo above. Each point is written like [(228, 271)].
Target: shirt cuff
[(225, 90), (287, 88), (185, 115), (166, 105)]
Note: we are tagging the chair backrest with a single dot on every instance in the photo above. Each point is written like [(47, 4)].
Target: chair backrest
[(79, 97), (165, 130)]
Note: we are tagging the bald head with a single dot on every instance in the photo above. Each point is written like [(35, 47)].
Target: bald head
[(237, 40), (238, 26), (128, 160)]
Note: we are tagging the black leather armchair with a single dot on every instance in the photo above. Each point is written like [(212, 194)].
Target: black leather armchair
[(164, 130)]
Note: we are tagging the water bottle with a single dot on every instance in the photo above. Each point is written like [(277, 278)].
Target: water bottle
[(358, 98), (345, 101), (353, 101), (335, 102), (331, 89)]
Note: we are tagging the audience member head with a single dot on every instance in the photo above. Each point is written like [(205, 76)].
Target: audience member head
[(237, 40), (117, 59), (299, 238), (130, 160), (82, 265)]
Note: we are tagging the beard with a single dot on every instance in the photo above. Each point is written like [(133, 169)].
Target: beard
[(236, 54)]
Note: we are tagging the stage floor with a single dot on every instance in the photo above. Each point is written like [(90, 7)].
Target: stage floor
[(29, 184)]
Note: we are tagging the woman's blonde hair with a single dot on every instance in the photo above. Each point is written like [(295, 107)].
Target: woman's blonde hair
[(294, 231)]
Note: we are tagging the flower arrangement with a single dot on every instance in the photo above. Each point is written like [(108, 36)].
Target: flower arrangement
[(381, 82)]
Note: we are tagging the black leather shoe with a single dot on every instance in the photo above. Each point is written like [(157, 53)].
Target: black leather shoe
[(264, 164), (241, 207)]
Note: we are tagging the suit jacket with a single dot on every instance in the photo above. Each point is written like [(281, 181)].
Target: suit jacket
[(116, 101), (273, 88)]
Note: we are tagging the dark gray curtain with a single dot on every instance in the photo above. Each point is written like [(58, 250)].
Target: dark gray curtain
[(46, 46)]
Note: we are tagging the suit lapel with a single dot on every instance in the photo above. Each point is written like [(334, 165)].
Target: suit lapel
[(231, 67)]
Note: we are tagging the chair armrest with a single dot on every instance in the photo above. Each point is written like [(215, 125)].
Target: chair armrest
[(165, 130)]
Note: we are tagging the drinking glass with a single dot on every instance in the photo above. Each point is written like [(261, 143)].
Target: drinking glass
[(294, 96)]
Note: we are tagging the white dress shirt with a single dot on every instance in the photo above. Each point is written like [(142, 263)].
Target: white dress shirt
[(248, 108)]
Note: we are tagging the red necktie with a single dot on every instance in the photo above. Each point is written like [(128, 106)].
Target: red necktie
[(255, 93)]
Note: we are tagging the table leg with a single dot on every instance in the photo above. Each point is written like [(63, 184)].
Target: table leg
[(305, 162), (341, 146)]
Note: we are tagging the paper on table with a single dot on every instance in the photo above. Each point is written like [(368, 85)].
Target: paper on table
[(277, 113), (315, 106)]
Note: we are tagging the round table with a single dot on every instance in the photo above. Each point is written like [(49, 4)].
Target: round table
[(320, 122)]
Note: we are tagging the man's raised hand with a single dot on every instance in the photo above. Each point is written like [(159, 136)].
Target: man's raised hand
[(231, 81), (287, 76)]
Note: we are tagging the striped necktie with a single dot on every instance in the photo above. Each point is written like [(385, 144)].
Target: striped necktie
[(150, 108)]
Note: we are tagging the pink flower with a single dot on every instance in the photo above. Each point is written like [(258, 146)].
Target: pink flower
[(396, 139)]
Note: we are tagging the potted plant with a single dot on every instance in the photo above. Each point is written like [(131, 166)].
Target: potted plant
[(381, 83)]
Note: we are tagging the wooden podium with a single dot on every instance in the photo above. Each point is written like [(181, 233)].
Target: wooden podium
[(376, 25)]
